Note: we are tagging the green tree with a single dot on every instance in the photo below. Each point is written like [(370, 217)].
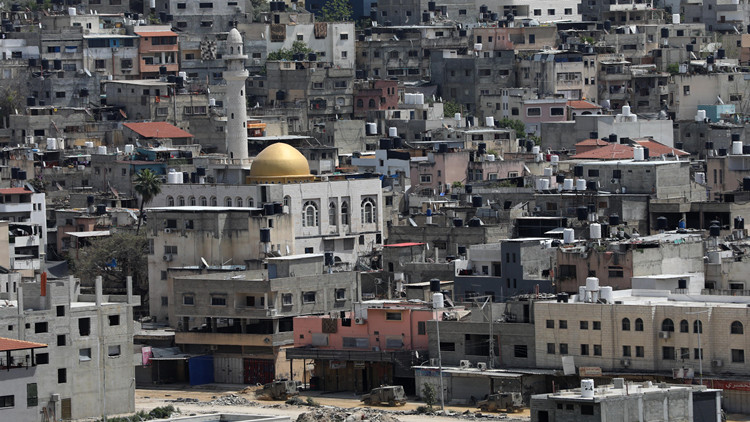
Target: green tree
[(514, 124), (429, 394), (673, 68), (259, 6), (336, 11), (450, 108), (147, 185), (288, 53)]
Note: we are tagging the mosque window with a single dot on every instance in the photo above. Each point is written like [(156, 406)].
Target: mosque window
[(310, 214), (191, 201), (213, 201), (287, 200), (332, 213), (204, 202), (238, 200), (228, 201), (345, 213), (368, 211), (170, 201), (250, 202), (181, 200)]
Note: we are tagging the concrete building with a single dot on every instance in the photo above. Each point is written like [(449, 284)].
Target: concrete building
[(641, 401), (26, 211), (235, 75), (688, 91), (561, 136), (86, 369), (562, 73), (157, 50)]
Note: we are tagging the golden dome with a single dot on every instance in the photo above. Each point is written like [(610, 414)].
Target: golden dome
[(279, 162)]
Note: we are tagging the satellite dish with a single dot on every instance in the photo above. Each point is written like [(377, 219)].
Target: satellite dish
[(203, 261)]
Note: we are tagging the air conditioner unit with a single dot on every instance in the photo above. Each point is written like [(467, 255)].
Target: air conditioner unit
[(482, 366), (464, 364), (359, 320), (167, 231), (625, 362), (717, 363), (257, 62), (167, 257), (664, 334), (55, 397)]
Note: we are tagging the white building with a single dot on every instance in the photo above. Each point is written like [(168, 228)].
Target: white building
[(235, 102), (25, 210)]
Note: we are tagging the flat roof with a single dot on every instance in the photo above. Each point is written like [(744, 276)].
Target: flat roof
[(99, 233), (402, 245), (200, 208), (297, 256), (140, 82)]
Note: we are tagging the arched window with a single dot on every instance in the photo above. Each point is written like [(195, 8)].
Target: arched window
[(667, 325), (204, 202), (684, 326), (737, 328), (368, 211), (191, 201), (332, 213), (213, 201), (238, 201), (638, 324), (625, 324), (250, 202), (287, 201), (371, 103), (697, 326), (170, 201), (345, 213), (181, 200), (228, 201), (310, 214), (360, 103)]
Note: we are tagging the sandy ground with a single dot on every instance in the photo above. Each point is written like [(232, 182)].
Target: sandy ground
[(147, 399)]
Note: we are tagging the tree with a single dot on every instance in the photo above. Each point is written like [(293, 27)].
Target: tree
[(429, 394), (450, 108), (514, 124), (147, 185), (336, 11), (288, 54)]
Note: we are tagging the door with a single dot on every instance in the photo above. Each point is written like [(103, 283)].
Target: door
[(258, 371), (65, 409)]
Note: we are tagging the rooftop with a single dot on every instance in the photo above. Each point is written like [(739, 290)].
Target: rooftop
[(157, 130), (9, 344)]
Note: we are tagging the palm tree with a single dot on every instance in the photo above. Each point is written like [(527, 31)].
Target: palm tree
[(147, 185)]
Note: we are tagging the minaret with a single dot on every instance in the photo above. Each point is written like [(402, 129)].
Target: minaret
[(235, 75)]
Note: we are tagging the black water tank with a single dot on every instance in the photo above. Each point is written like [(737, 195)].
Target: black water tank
[(560, 178), (312, 57), (735, 137), (665, 32), (721, 53), (193, 177), (739, 223), (592, 207), (529, 145), (32, 63), (278, 208), (578, 171), (171, 79), (90, 200), (265, 235), (614, 220), (746, 183), (462, 250), (709, 145), (396, 143), (385, 143), (494, 16), (476, 201), (582, 213), (268, 209), (605, 230), (101, 209), (613, 138), (746, 149), (475, 222), (185, 177), (280, 95), (662, 223), (435, 285), (714, 231), (14, 172), (21, 175), (328, 258), (645, 153), (162, 70), (272, 6), (714, 223), (468, 189), (722, 152), (458, 222), (483, 9), (710, 59), (591, 185), (593, 135), (689, 47), (201, 171)]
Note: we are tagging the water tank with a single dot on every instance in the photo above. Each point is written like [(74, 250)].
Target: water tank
[(101, 150), (312, 57), (745, 149), (638, 153), (626, 110), (21, 175), (568, 184), (568, 236), (462, 250), (475, 222), (372, 128), (591, 185), (581, 293), (662, 223), (72, 11), (185, 177), (30, 101), (560, 179), (675, 18), (14, 172), (265, 235), (201, 171), (88, 144), (458, 222), (595, 231), (739, 223), (101, 209), (721, 53), (681, 224), (435, 285), (328, 258), (722, 152), (714, 230), (90, 200), (385, 143), (529, 145), (489, 121), (582, 213), (736, 148), (614, 220), (592, 284), (51, 144), (578, 171), (437, 300), (700, 116), (268, 209), (476, 201), (547, 171), (710, 59), (129, 148), (278, 208), (457, 117), (174, 177), (606, 294), (746, 183), (392, 132), (554, 159), (543, 184), (535, 149), (581, 184)]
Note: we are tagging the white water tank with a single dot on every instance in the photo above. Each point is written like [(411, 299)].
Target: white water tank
[(437, 300), (212, 102), (419, 98), (392, 132), (490, 157), (51, 144), (547, 171), (478, 47), (592, 284), (581, 184), (737, 147), (539, 158), (372, 128), (88, 144), (595, 231), (568, 184), (554, 159), (101, 150), (544, 184), (676, 18), (568, 236), (700, 116), (700, 177), (489, 121), (182, 75), (587, 389), (72, 11), (408, 98), (606, 293), (152, 4), (638, 153), (457, 117), (535, 149), (581, 293), (626, 110), (174, 177)]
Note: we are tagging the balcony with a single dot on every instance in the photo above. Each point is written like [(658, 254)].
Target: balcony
[(235, 339), (27, 264), (22, 241), (25, 207)]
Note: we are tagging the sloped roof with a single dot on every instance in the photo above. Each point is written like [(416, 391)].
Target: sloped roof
[(579, 104), (9, 344), (157, 130), (609, 152), (656, 148), (11, 191), (592, 142)]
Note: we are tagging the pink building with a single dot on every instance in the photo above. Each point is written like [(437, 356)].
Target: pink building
[(438, 171), (376, 344), (536, 112)]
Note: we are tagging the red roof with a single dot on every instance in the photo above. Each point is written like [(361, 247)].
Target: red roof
[(156, 34), (656, 148), (157, 130), (402, 245), (579, 104), (590, 142), (11, 191), (9, 344), (609, 152)]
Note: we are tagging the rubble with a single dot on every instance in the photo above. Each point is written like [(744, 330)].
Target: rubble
[(229, 400), (339, 415)]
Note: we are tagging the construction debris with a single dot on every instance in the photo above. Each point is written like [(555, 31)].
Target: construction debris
[(339, 415)]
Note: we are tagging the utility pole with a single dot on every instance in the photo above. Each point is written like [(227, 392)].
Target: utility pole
[(491, 363), (440, 364), (700, 349)]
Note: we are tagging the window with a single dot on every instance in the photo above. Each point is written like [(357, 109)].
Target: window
[(42, 359), (738, 356), (587, 409), (568, 11), (32, 397), (584, 325), (40, 327), (563, 323), (550, 323), (686, 90), (584, 350), (126, 63), (114, 320), (557, 111), (206, 5), (84, 355), (639, 353), (684, 353), (563, 348), (597, 325), (533, 112), (425, 178), (550, 348), (310, 214), (188, 300), (340, 294), (218, 300), (332, 213), (638, 324), (737, 328), (697, 353), (684, 326), (286, 299), (113, 351), (626, 351), (308, 297), (697, 326), (521, 351), (344, 36), (7, 401), (368, 211), (597, 350), (421, 328), (593, 172), (393, 316), (625, 324), (667, 353), (62, 376), (550, 12), (61, 339), (537, 12), (84, 326), (667, 325), (447, 347)]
